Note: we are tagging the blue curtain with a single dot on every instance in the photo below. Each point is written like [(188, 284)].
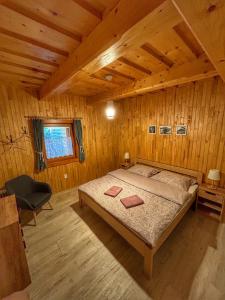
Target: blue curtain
[(38, 144), (79, 138)]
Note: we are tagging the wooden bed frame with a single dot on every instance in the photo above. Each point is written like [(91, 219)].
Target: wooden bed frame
[(146, 250)]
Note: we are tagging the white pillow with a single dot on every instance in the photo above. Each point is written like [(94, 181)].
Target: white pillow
[(181, 181), (143, 170)]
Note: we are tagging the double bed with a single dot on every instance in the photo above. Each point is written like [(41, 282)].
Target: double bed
[(146, 226)]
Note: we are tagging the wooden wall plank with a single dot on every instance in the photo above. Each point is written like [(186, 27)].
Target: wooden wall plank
[(16, 103), (200, 105)]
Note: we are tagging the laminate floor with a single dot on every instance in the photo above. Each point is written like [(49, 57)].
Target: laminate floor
[(74, 254)]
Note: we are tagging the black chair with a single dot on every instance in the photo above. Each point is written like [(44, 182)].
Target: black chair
[(30, 194)]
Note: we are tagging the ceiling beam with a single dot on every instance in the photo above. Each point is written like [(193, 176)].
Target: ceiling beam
[(134, 65), (89, 8), (198, 69), (206, 21), (157, 55), (126, 26)]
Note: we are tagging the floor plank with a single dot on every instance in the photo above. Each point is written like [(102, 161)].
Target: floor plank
[(74, 254)]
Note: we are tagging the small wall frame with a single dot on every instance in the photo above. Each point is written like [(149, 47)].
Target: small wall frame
[(152, 129), (181, 129)]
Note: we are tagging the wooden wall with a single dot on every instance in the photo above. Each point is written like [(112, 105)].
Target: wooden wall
[(16, 103), (201, 105)]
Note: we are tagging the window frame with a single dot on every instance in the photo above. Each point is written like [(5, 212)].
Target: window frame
[(53, 162)]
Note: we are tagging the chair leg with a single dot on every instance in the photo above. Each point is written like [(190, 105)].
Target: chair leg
[(50, 205), (35, 217)]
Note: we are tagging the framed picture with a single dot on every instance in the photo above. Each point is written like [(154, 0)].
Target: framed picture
[(165, 130), (181, 129), (152, 129)]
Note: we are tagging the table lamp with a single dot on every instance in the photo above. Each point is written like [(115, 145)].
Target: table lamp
[(127, 157), (214, 175)]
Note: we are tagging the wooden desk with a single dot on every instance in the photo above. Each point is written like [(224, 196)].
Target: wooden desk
[(14, 272)]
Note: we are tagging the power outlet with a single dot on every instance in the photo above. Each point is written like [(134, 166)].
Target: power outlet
[(65, 176)]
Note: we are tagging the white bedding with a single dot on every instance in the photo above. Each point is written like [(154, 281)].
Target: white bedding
[(149, 220)]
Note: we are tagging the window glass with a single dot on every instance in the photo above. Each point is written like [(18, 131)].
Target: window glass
[(58, 141)]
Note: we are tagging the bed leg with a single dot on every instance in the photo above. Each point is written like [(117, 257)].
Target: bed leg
[(148, 263), (81, 204)]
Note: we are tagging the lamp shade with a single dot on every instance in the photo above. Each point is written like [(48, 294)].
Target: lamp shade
[(214, 174), (126, 155)]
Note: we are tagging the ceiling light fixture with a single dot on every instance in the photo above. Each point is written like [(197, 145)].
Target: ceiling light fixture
[(108, 77), (110, 110)]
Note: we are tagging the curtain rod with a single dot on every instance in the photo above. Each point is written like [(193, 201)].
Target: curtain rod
[(54, 118)]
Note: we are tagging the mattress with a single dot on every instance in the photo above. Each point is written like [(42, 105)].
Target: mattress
[(161, 202)]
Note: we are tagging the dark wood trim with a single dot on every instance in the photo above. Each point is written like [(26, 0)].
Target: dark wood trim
[(89, 8), (157, 54), (134, 65), (33, 42), (29, 14)]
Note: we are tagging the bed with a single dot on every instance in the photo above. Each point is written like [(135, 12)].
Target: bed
[(147, 226)]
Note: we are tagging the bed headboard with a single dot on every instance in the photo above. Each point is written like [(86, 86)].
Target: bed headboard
[(196, 174)]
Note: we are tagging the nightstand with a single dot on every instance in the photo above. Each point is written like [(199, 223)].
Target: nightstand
[(211, 202), (126, 166)]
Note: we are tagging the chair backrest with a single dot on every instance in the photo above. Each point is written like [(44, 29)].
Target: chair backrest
[(20, 186)]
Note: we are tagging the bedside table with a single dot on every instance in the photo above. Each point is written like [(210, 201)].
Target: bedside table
[(211, 202), (126, 166)]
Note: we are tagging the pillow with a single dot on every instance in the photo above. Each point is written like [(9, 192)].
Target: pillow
[(180, 181), (143, 170)]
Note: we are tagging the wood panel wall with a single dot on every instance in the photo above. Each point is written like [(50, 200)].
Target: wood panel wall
[(17, 103), (200, 105)]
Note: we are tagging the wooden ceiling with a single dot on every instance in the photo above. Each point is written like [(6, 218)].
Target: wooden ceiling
[(74, 45)]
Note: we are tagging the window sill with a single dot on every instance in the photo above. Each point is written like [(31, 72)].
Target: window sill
[(60, 162)]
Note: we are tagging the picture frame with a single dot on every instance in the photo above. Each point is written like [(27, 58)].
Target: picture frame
[(165, 130), (181, 129), (152, 129)]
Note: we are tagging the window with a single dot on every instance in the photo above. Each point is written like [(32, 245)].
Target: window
[(59, 142)]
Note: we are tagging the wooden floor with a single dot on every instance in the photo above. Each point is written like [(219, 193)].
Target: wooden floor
[(73, 254)]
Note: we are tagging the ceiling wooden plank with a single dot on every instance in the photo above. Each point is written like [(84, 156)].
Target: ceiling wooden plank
[(12, 57), (7, 75), (31, 69), (135, 66), (157, 54), (191, 71), (207, 22), (29, 30), (25, 49), (64, 14), (89, 8), (126, 26), (117, 73), (22, 71), (32, 41), (38, 18)]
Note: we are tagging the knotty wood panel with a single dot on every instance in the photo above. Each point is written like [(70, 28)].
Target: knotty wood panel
[(98, 142), (201, 105)]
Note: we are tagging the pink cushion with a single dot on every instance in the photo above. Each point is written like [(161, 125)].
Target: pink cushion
[(132, 201), (113, 191)]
